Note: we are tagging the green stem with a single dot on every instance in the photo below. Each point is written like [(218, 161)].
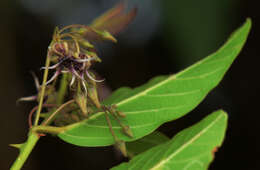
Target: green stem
[(25, 151), (33, 137), (48, 129), (45, 76), (27, 147), (62, 89)]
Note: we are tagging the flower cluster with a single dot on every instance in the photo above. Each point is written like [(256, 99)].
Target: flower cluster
[(72, 54)]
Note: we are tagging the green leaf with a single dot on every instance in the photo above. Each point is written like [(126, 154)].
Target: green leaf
[(145, 143), (191, 149), (162, 99)]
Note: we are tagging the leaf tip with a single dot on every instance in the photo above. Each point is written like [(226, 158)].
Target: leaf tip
[(248, 23)]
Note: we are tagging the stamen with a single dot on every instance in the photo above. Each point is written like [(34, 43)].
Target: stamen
[(89, 76), (72, 80), (84, 85), (56, 74), (52, 67), (75, 73)]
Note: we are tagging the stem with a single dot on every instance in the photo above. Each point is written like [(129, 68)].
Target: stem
[(33, 137), (110, 126), (48, 129), (45, 76), (34, 109), (62, 89), (25, 151)]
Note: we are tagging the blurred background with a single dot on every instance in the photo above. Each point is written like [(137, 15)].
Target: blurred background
[(165, 37)]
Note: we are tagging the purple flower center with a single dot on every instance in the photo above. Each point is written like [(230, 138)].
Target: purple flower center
[(70, 62)]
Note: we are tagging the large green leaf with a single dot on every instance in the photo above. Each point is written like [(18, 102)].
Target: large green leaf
[(191, 149), (162, 99)]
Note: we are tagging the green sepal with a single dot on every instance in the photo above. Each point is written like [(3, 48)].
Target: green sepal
[(120, 145), (92, 92), (81, 100)]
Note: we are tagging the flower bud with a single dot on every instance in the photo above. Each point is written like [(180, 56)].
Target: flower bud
[(81, 100), (121, 146), (128, 131), (93, 95)]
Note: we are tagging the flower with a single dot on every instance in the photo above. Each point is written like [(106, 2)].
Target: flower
[(73, 55)]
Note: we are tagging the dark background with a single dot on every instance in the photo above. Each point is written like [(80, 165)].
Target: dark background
[(166, 36)]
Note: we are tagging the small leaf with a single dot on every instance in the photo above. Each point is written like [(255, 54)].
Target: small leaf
[(162, 99), (110, 23), (114, 20), (108, 15), (145, 143), (189, 150)]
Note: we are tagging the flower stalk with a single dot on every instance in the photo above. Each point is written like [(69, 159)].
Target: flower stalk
[(45, 76)]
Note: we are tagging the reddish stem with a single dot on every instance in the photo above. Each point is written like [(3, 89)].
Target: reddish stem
[(34, 109)]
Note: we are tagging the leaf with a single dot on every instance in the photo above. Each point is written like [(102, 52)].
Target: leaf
[(145, 143), (109, 24), (117, 10), (162, 99), (114, 20), (191, 149)]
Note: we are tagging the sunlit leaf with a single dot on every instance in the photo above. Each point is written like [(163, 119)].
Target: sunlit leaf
[(162, 99), (191, 149)]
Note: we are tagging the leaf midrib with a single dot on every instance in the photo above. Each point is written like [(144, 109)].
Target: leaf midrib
[(163, 161)]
